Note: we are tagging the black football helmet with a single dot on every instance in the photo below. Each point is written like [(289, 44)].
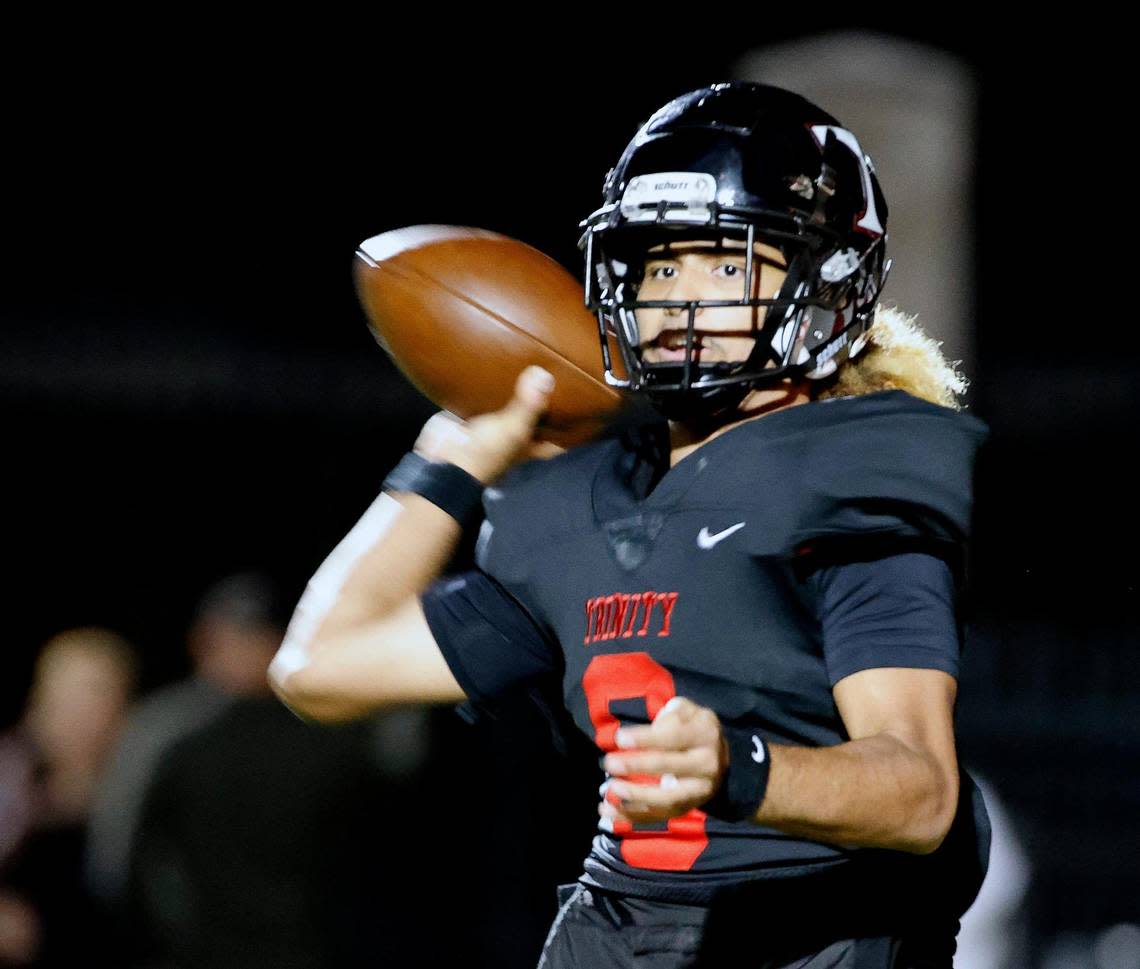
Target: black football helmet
[(753, 163)]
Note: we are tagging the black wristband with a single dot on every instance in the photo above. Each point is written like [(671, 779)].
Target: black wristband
[(745, 782), (448, 486)]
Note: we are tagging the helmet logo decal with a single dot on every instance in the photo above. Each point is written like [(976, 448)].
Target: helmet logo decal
[(682, 195), (869, 220), (825, 365)]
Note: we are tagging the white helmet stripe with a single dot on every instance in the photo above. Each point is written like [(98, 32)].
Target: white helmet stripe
[(870, 219)]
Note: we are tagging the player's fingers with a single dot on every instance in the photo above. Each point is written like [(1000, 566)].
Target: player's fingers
[(694, 762), (610, 816), (699, 724), (666, 735), (532, 392), (679, 706), (509, 432), (680, 723), (443, 429), (670, 733), (499, 439), (611, 796), (545, 449), (649, 802)]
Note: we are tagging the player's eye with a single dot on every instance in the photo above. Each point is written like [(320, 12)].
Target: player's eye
[(662, 272), (728, 269)]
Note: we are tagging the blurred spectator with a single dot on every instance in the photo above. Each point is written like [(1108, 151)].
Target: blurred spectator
[(231, 833), (235, 626), (50, 765)]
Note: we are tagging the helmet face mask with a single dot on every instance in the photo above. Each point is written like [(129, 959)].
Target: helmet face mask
[(765, 177)]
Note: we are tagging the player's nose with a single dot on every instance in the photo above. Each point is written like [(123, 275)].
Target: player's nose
[(686, 287)]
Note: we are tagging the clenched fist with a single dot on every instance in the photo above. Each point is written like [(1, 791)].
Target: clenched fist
[(684, 746)]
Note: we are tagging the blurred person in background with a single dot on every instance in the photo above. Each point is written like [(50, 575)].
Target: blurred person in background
[(227, 833), (50, 767), (232, 630)]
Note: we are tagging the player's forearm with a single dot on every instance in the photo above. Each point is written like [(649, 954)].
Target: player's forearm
[(403, 561), (873, 792), (347, 628), (392, 553)]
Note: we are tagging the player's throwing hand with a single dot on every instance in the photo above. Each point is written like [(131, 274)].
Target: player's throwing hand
[(487, 446), (684, 747)]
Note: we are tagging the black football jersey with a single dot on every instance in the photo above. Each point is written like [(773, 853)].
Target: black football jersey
[(766, 565)]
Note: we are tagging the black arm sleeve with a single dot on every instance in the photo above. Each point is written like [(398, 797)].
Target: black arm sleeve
[(490, 641), (898, 610)]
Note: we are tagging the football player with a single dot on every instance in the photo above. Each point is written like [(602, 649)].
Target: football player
[(747, 602)]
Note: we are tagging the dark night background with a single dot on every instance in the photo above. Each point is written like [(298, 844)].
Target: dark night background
[(190, 387)]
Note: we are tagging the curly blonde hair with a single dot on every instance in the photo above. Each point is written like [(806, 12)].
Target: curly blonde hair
[(898, 356)]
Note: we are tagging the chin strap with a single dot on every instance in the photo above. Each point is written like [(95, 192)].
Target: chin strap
[(675, 406)]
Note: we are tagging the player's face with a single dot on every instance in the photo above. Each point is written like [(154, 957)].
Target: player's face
[(700, 269)]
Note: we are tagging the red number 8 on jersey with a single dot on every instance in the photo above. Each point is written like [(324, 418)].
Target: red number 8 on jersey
[(628, 676)]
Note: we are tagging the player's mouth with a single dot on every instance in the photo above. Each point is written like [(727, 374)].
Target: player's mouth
[(665, 355), (670, 347), (661, 355)]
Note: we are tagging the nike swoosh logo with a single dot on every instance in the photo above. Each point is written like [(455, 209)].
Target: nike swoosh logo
[(705, 540), (758, 753)]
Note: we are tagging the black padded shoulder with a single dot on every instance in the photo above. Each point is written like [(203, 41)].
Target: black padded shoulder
[(535, 503), (884, 467), (876, 465)]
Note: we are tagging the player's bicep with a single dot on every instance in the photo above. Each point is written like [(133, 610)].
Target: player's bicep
[(914, 705)]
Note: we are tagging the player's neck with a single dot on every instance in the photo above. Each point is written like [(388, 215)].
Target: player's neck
[(686, 437)]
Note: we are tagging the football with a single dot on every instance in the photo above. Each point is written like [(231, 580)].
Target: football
[(462, 311)]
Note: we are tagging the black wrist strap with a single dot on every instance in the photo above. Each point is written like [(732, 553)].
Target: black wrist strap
[(745, 781), (446, 485)]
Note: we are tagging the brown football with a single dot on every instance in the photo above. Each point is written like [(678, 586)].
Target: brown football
[(462, 311)]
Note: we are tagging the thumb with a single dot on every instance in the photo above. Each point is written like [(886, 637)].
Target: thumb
[(532, 393)]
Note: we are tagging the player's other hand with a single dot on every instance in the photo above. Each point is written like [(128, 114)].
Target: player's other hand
[(685, 755), (487, 446)]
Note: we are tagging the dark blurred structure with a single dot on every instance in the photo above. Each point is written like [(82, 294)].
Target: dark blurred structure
[(193, 387)]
